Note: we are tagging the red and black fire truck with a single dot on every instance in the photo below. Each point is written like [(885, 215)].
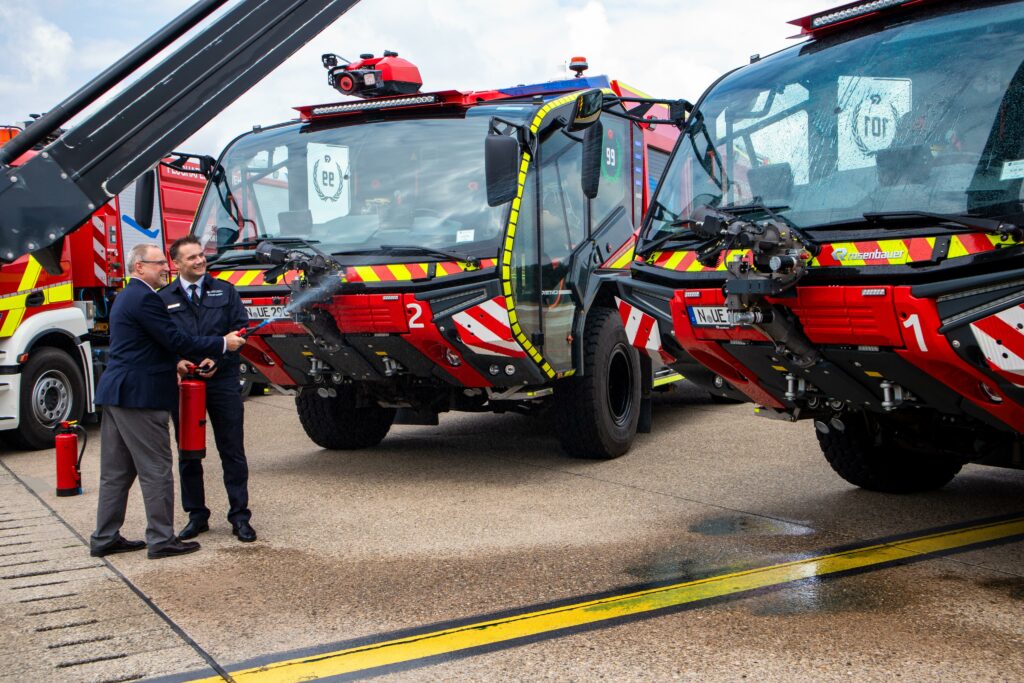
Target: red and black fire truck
[(53, 327), (414, 253), (838, 238)]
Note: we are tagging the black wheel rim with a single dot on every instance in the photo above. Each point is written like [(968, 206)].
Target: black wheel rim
[(620, 384)]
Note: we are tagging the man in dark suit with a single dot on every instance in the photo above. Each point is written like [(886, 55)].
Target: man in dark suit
[(138, 389), (200, 305)]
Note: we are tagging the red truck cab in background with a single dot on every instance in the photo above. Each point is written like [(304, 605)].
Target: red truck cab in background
[(54, 328)]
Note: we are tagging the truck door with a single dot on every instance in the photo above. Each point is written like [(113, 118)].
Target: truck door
[(551, 226), (552, 257)]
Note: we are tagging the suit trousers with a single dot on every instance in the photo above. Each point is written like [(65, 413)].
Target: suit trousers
[(135, 443), (227, 413)]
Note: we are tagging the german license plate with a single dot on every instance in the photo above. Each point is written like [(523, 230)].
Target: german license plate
[(708, 316), (264, 312)]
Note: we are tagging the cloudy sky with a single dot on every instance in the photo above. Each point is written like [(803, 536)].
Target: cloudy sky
[(667, 48)]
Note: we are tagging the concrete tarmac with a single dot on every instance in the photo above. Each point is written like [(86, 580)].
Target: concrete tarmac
[(483, 514)]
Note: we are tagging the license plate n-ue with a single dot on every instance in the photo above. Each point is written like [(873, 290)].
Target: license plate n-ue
[(708, 316), (264, 312)]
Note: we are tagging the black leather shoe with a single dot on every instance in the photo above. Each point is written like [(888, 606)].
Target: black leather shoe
[(120, 545), (193, 529), (173, 548), (244, 532)]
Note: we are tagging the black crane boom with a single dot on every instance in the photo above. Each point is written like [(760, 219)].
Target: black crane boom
[(57, 190)]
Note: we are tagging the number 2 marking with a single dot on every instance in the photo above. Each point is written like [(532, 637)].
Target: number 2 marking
[(914, 323), (415, 313)]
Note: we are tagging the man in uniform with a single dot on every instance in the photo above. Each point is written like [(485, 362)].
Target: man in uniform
[(137, 392), (200, 304)]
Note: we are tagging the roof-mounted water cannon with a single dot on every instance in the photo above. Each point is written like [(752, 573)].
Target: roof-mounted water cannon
[(371, 76)]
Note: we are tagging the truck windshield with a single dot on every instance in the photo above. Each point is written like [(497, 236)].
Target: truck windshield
[(926, 115), (356, 188)]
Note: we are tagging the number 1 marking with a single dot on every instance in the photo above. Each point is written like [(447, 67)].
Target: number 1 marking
[(914, 323)]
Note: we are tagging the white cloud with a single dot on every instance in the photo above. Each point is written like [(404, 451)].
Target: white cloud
[(667, 48), (34, 53)]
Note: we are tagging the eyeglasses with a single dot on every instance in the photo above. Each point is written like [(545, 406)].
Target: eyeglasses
[(161, 262)]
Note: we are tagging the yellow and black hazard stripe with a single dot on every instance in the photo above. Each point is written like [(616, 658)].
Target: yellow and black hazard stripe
[(897, 252), (13, 306)]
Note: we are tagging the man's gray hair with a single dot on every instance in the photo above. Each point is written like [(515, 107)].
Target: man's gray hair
[(138, 253)]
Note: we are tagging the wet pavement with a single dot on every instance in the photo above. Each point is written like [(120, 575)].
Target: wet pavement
[(482, 515)]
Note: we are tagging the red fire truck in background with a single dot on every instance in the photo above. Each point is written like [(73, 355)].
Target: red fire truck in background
[(53, 328)]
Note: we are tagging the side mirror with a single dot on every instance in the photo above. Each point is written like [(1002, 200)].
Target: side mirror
[(586, 111), (501, 165), (145, 188), (593, 139)]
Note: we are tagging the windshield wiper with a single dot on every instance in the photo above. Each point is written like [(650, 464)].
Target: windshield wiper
[(989, 225), (411, 249), (272, 240), (648, 247), (222, 257)]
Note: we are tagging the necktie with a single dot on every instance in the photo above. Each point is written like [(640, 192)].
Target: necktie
[(193, 294)]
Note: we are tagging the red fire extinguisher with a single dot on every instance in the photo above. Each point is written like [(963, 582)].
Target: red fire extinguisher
[(69, 458), (192, 417)]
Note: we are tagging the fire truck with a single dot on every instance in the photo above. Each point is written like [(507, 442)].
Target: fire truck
[(837, 238), (413, 253), (53, 328)]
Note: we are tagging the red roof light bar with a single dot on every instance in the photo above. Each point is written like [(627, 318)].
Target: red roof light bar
[(828, 20)]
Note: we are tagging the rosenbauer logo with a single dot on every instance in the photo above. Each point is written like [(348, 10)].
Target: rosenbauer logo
[(844, 254)]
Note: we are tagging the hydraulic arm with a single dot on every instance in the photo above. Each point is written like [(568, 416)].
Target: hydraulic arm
[(44, 199)]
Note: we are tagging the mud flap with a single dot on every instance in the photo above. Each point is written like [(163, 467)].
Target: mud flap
[(643, 425)]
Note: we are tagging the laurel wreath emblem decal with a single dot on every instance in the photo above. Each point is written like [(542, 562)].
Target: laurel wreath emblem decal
[(336, 174)]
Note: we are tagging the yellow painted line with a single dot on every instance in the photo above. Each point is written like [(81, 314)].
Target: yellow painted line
[(492, 632)]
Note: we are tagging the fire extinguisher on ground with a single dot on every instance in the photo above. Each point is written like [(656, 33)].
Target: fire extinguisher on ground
[(69, 458), (192, 416)]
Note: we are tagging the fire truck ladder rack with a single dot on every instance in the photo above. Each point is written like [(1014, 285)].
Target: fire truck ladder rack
[(54, 192)]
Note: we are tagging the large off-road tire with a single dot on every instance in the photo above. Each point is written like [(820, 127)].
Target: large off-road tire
[(52, 391), (597, 413), (868, 454), (336, 423)]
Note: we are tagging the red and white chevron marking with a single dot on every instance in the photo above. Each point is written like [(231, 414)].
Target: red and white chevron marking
[(99, 259), (642, 331), (1001, 338), (485, 329)]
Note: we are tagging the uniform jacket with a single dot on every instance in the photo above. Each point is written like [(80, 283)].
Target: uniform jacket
[(220, 311), (144, 349)]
